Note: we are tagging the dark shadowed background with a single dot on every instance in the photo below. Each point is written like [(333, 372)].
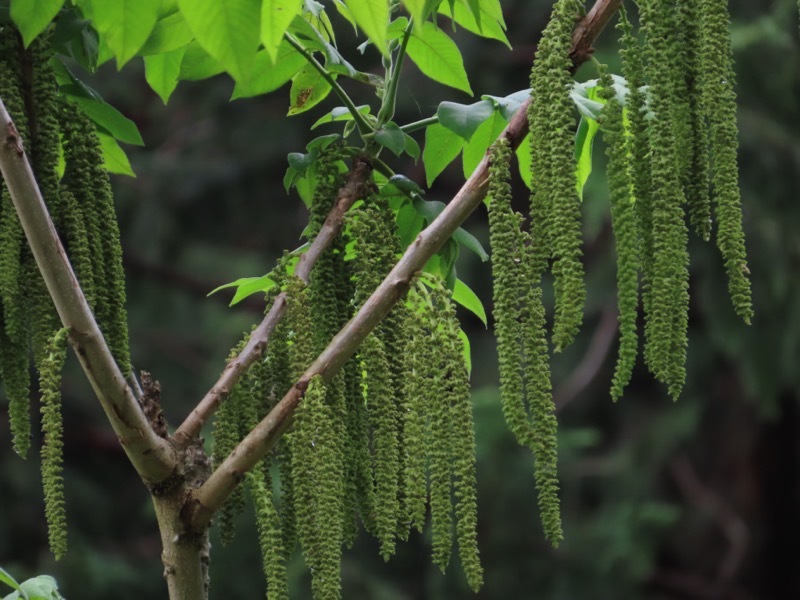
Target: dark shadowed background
[(697, 499)]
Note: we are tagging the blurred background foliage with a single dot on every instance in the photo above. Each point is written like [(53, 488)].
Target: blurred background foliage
[(696, 499)]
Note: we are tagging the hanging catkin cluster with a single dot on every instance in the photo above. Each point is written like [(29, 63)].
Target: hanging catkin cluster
[(365, 444), (81, 207)]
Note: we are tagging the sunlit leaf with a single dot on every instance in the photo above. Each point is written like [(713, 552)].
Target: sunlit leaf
[(441, 148), (162, 72), (463, 295), (267, 76), (372, 17), (464, 119), (170, 33), (309, 88), (125, 25), (110, 119), (276, 15), (114, 158), (484, 137), (198, 64), (438, 57), (32, 16)]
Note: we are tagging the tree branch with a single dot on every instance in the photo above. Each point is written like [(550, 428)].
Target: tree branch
[(204, 502), (355, 187), (153, 457)]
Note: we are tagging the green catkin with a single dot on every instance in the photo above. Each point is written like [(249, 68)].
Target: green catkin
[(14, 368), (270, 536), (508, 274), (418, 356), (52, 444), (539, 391), (227, 434), (77, 242), (462, 447), (639, 145), (696, 175), (623, 221), (667, 323), (555, 204), (719, 106)]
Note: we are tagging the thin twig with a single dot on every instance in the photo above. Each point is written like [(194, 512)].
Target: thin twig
[(355, 187), (152, 457), (204, 502)]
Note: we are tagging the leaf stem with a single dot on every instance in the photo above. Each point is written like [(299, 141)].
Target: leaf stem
[(363, 127), (386, 111), (421, 124)]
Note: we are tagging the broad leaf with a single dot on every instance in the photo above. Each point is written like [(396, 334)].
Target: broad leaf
[(162, 72), (441, 148), (267, 76), (488, 27), (373, 17), (110, 119), (276, 15), (470, 242), (170, 33), (114, 158), (198, 64), (8, 579), (126, 25), (228, 30), (411, 147), (463, 295), (438, 57), (430, 209), (309, 88), (417, 9), (409, 224), (484, 137), (510, 104), (32, 16), (464, 119)]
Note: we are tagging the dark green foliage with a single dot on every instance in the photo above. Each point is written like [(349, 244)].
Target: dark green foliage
[(555, 205), (719, 102), (52, 444), (623, 220)]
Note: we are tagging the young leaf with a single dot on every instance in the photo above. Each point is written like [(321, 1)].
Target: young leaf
[(438, 57), (162, 72), (110, 119), (309, 88), (32, 16), (126, 25), (463, 295), (484, 137), (114, 158), (441, 147), (411, 147), (268, 77), (508, 105), (228, 30), (391, 136), (584, 140), (170, 33), (276, 16), (373, 17), (340, 113), (464, 119)]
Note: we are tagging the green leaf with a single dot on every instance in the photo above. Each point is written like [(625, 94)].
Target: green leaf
[(198, 64), (373, 18), (409, 224), (470, 242), (8, 579), (268, 77), (125, 24), (467, 350), (463, 295), (110, 119), (162, 72), (309, 88), (228, 30), (438, 57), (114, 158), (584, 140), (464, 119), (417, 9), (42, 587), (484, 137), (276, 16), (487, 27), (441, 148), (411, 147), (170, 33), (32, 16), (340, 113), (404, 185), (75, 37), (392, 137), (524, 161)]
